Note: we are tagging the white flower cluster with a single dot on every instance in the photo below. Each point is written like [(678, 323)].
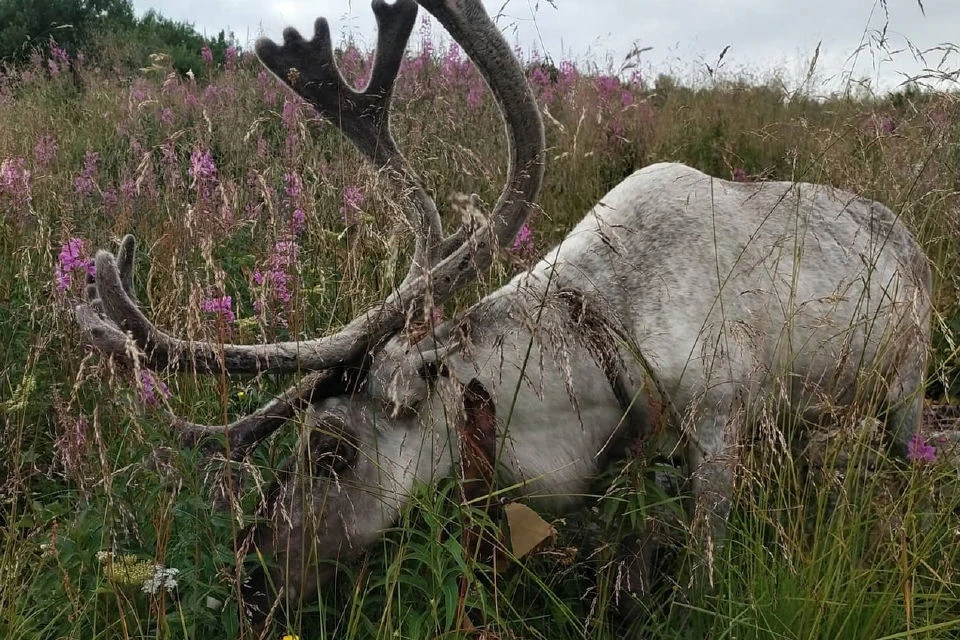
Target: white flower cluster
[(162, 578)]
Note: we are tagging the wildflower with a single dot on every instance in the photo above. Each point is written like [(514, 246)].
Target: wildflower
[(739, 175), (293, 185), (45, 150), (566, 76), (59, 54), (203, 172), (15, 180), (85, 181), (152, 389), (165, 116), (206, 54), (70, 260), (202, 165), (290, 114), (222, 307), (276, 276), (607, 86), (298, 221), (523, 241), (230, 58), (125, 569), (475, 96), (918, 450), (162, 578), (353, 199)]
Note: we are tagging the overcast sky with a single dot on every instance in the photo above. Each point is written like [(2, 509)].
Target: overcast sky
[(684, 35)]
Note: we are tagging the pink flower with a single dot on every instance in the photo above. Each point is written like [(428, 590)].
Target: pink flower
[(15, 180), (222, 307), (86, 180), (739, 175), (353, 199), (298, 221), (919, 451), (45, 150), (206, 54), (523, 241), (230, 57), (70, 260), (152, 389)]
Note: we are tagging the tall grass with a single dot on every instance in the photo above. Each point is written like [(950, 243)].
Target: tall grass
[(259, 222)]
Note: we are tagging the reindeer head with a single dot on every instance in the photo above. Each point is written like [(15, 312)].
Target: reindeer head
[(366, 384)]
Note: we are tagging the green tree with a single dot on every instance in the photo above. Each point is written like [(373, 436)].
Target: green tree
[(27, 25)]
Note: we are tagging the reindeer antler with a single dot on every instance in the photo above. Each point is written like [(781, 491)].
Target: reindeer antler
[(111, 312)]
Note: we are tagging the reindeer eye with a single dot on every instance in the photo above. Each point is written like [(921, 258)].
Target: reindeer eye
[(432, 371)]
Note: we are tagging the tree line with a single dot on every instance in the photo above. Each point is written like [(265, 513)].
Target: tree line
[(106, 31)]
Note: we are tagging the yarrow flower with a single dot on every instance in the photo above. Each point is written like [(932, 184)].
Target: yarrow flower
[(919, 451), (222, 307), (70, 260), (162, 578)]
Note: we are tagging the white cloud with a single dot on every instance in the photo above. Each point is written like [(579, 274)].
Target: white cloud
[(763, 34)]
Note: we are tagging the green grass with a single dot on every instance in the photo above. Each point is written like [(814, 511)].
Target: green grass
[(865, 549)]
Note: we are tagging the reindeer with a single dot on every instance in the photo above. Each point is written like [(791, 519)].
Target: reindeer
[(679, 308)]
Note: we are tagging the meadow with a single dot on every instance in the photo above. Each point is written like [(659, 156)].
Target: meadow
[(258, 221)]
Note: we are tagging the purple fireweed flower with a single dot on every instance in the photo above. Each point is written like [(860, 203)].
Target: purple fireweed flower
[(298, 221), (739, 175), (353, 199), (129, 189), (15, 180), (202, 166), (45, 150), (919, 451), (523, 241), (293, 185), (151, 388), (85, 181), (221, 307), (165, 116), (566, 76), (71, 260), (59, 54), (475, 96), (291, 145), (290, 114), (230, 57), (110, 200), (277, 274), (206, 54), (607, 86)]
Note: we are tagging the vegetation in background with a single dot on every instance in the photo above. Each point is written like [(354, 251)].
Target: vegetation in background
[(260, 222), (101, 32)]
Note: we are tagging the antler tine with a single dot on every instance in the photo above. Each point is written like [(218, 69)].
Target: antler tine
[(244, 434), (468, 23), (115, 323), (363, 116)]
